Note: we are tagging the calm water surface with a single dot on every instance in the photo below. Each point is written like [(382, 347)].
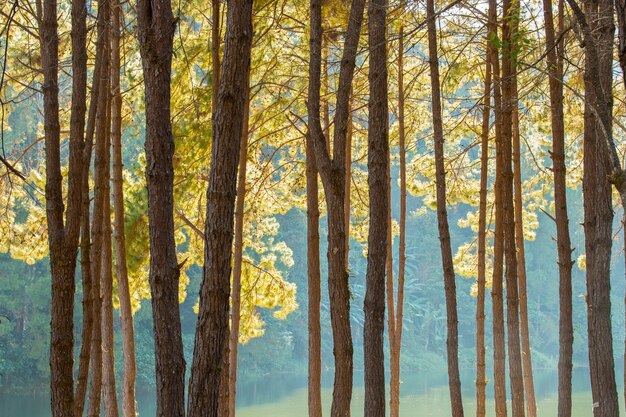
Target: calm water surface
[(422, 394)]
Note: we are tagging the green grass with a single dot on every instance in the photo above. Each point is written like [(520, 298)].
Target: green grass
[(435, 402)]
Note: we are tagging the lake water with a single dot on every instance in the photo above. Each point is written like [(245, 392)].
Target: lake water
[(422, 394)]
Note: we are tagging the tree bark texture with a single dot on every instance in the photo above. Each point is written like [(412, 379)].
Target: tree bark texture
[(598, 217), (481, 381), (63, 233), (452, 342), (126, 315), (564, 247), (332, 171), (237, 262), (156, 27), (378, 181), (228, 124), (509, 102)]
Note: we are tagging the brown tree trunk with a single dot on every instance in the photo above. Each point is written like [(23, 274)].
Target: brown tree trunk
[(314, 284), (100, 195), (333, 179), (497, 305), (529, 385), (126, 314), (228, 124), (63, 233), (452, 343), (599, 215), (85, 239), (156, 27), (620, 12), (395, 339), (566, 329), (509, 102), (481, 381), (378, 237), (238, 259), (108, 360)]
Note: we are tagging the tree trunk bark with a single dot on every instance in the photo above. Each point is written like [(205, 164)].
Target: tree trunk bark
[(333, 176), (98, 239), (452, 343), (126, 314), (156, 27), (529, 385), (85, 239), (63, 233), (497, 305), (108, 359), (314, 283), (598, 218), (228, 124), (509, 102), (395, 341), (236, 290), (564, 248), (481, 381), (378, 236)]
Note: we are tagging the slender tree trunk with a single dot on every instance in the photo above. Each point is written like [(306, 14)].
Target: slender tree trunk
[(108, 360), (85, 239), (395, 340), (481, 381), (228, 125), (346, 203), (497, 305), (314, 283), (332, 171), (63, 232), (509, 103), (126, 314), (100, 195), (215, 53), (236, 290), (378, 237), (452, 343), (224, 400), (566, 329), (156, 27), (529, 385)]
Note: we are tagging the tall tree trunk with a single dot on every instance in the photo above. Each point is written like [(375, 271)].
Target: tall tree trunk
[(228, 125), (314, 284), (216, 12), (378, 237), (108, 359), (620, 12), (100, 195), (332, 171), (497, 305), (481, 381), (238, 259), (156, 27), (599, 213), (63, 232), (395, 340), (509, 102), (529, 385), (452, 343), (85, 239), (564, 248), (126, 314)]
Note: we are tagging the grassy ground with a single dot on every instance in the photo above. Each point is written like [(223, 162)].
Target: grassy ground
[(434, 403)]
